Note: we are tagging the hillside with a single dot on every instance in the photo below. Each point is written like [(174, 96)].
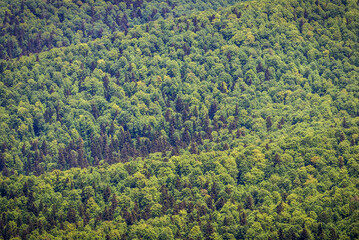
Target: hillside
[(230, 123), (35, 26)]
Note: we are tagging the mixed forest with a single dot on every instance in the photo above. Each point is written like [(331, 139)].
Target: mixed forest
[(177, 119)]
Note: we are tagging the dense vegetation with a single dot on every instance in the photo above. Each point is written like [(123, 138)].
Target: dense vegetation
[(33, 26), (238, 122)]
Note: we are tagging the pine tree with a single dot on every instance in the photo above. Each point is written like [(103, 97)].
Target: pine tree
[(243, 218), (2, 162), (107, 193), (341, 161), (249, 204), (71, 215), (209, 230), (280, 123), (220, 203), (213, 109), (269, 123), (81, 157), (179, 105), (114, 202), (342, 137), (214, 193)]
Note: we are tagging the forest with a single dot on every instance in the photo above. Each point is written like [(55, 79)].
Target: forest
[(177, 119)]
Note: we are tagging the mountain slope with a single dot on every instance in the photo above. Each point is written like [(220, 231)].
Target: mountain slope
[(205, 82), (35, 26), (228, 124)]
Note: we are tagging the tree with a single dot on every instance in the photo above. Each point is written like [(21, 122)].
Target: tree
[(249, 204), (2, 162), (107, 193), (342, 137), (243, 218), (345, 123), (280, 123), (71, 215), (280, 208), (114, 202), (304, 234), (179, 105), (208, 230), (213, 109), (224, 87), (269, 123), (341, 161), (267, 75), (260, 67), (277, 159), (82, 160)]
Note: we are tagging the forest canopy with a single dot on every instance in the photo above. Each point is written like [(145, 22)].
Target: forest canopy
[(179, 119)]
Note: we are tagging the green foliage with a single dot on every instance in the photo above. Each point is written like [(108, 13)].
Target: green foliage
[(36, 26), (237, 122), (137, 200)]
